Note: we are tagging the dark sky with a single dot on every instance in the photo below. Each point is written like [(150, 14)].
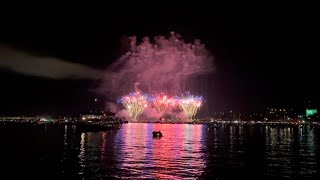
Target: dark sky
[(264, 53)]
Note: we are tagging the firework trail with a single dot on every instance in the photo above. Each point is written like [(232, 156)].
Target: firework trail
[(164, 103), (135, 103), (190, 105)]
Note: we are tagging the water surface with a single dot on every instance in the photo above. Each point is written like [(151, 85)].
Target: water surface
[(184, 151)]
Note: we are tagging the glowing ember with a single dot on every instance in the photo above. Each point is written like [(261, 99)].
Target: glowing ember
[(134, 103), (190, 105)]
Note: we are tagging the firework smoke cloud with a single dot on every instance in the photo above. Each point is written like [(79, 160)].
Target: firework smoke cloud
[(164, 65)]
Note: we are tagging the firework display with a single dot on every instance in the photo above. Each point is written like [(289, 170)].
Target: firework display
[(164, 103), (163, 68), (190, 105), (135, 103)]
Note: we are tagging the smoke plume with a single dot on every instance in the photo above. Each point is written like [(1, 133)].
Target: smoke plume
[(163, 65), (46, 67)]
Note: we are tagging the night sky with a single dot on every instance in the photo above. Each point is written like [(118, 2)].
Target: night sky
[(264, 53)]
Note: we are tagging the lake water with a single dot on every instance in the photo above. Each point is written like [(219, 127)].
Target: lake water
[(185, 151)]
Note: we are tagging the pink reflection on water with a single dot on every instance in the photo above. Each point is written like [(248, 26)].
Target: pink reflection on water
[(177, 154)]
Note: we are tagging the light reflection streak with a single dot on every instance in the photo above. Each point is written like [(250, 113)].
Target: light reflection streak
[(82, 152), (103, 145), (65, 146)]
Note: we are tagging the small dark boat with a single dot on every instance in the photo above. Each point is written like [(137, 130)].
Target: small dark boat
[(157, 134)]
